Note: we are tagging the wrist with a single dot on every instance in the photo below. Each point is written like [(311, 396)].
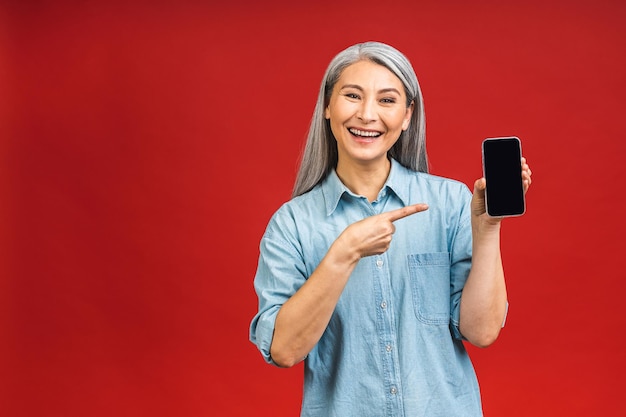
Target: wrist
[(487, 226), (344, 251)]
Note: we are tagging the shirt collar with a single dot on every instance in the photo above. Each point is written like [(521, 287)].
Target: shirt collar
[(397, 182), (333, 188)]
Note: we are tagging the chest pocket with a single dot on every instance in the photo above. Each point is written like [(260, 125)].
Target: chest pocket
[(430, 284)]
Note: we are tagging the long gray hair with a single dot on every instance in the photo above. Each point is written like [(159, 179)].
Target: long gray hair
[(320, 152)]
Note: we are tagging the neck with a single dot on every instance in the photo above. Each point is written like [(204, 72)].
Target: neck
[(365, 180)]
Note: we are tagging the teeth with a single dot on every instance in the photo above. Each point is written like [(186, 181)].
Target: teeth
[(364, 133)]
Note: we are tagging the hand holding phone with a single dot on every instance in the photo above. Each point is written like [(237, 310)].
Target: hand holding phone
[(502, 169)]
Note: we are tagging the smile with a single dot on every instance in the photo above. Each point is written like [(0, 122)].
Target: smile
[(364, 133)]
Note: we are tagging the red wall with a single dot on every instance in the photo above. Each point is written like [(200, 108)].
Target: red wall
[(143, 148)]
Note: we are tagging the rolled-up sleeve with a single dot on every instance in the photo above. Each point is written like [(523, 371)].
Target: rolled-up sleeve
[(461, 262), (280, 273)]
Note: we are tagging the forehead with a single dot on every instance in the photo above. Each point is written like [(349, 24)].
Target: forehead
[(368, 74)]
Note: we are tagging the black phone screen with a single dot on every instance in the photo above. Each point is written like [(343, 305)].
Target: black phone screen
[(503, 173)]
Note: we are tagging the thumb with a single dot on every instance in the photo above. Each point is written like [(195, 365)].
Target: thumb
[(479, 186), (478, 198)]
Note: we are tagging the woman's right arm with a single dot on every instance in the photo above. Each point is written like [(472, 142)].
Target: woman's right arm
[(303, 318)]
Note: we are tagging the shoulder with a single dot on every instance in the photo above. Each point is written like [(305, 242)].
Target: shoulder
[(432, 185), (450, 186), (306, 203), (436, 179), (292, 214)]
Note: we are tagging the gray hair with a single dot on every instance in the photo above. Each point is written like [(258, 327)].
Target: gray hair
[(320, 151)]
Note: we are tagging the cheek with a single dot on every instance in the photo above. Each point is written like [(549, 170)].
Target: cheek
[(404, 120), (336, 129), (397, 121)]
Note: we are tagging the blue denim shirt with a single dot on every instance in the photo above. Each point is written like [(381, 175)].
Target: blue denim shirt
[(392, 347)]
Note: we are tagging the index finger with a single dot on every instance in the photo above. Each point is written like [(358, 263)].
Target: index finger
[(403, 212)]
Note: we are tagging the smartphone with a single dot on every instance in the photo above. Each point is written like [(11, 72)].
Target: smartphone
[(502, 168)]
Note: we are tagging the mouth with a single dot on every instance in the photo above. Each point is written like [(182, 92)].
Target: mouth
[(366, 134)]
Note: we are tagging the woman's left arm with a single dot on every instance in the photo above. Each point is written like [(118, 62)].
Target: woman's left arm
[(484, 299)]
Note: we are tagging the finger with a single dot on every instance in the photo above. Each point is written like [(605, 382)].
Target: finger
[(526, 181), (526, 175), (405, 211)]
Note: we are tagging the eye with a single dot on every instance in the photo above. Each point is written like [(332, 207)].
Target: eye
[(388, 100), (353, 96)]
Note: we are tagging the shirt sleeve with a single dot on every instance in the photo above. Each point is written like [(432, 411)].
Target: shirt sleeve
[(280, 273), (461, 259)]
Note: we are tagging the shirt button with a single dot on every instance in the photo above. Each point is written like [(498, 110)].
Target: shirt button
[(383, 305), (393, 390), (388, 348), (379, 263)]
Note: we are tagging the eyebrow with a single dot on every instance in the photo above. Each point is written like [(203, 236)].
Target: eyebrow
[(384, 90)]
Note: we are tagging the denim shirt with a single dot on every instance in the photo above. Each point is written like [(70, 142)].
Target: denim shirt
[(393, 346)]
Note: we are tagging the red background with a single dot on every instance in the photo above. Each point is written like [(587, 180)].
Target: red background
[(144, 146)]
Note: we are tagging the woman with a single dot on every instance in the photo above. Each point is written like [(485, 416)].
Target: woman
[(376, 271)]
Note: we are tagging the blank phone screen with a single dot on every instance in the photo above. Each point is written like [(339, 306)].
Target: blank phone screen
[(503, 173)]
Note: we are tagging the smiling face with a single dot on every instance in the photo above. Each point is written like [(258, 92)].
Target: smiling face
[(367, 112)]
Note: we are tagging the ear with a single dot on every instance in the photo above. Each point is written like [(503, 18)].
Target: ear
[(327, 113), (407, 116)]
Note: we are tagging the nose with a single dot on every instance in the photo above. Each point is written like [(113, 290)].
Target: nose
[(367, 111)]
